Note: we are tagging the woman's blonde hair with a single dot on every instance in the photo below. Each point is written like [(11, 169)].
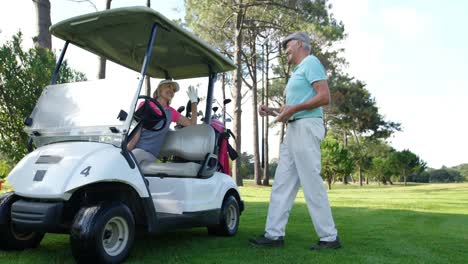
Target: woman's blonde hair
[(174, 85)]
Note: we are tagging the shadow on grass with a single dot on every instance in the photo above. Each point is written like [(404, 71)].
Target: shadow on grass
[(368, 236)]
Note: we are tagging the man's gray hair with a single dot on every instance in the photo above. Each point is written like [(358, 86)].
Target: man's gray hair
[(306, 45)]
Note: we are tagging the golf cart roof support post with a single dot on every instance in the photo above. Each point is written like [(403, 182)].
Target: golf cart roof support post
[(209, 98), (59, 63), (146, 60), (147, 56)]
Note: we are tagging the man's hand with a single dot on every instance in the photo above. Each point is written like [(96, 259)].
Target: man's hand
[(192, 93), (285, 113), (263, 110)]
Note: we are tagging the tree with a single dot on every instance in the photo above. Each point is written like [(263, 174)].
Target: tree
[(363, 154), (5, 169), (406, 162), (354, 111), (265, 101), (336, 160), (234, 27), (445, 175), (247, 165), (423, 177), (463, 169), (382, 169), (224, 20), (23, 75), (43, 39), (251, 65), (354, 114)]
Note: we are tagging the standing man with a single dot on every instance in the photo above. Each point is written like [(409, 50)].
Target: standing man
[(300, 162)]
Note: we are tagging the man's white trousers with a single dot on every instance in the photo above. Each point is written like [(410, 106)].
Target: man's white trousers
[(299, 165)]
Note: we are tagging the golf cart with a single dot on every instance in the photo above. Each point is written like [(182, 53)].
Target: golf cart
[(81, 179)]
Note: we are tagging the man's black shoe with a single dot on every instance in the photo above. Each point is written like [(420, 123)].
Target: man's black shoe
[(327, 244), (264, 241)]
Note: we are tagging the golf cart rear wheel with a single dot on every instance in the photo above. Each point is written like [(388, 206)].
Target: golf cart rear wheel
[(11, 238), (102, 233), (229, 222)]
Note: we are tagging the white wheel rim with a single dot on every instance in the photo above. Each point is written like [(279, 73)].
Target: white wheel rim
[(115, 236), (231, 217)]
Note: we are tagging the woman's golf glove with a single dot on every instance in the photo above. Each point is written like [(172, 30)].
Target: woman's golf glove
[(192, 93)]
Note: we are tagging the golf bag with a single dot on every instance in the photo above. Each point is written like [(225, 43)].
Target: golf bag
[(225, 150)]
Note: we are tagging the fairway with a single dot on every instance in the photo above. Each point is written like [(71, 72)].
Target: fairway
[(386, 224)]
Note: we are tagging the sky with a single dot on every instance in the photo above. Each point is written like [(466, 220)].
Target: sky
[(412, 54)]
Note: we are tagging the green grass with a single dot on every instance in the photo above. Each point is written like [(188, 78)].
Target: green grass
[(386, 224)]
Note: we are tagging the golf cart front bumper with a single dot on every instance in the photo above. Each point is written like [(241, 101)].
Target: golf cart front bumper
[(37, 216)]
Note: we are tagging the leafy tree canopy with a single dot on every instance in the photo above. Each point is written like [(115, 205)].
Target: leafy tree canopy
[(354, 110), (23, 76)]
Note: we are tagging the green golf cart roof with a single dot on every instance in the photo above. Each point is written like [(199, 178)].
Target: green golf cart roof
[(121, 35)]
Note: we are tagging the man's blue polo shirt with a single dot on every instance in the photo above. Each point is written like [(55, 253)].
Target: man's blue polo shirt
[(299, 88)]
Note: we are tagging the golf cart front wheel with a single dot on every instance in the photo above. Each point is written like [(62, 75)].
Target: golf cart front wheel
[(102, 233), (229, 222), (12, 238)]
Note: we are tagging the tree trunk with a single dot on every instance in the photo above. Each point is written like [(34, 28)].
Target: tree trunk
[(367, 180), (148, 85), (237, 94), (43, 39), (102, 60), (282, 131), (283, 125), (345, 140), (404, 175), (345, 144), (257, 172), (329, 183), (266, 177), (360, 175)]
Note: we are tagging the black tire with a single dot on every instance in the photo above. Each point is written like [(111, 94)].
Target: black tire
[(103, 233), (229, 221), (10, 237)]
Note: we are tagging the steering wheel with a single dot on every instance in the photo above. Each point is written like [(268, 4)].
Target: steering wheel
[(148, 116)]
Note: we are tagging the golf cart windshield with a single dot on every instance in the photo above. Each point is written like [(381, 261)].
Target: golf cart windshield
[(84, 111)]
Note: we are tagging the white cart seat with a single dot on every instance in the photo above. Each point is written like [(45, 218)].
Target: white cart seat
[(191, 143)]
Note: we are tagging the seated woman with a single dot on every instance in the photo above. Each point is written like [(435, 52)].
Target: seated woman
[(146, 144)]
